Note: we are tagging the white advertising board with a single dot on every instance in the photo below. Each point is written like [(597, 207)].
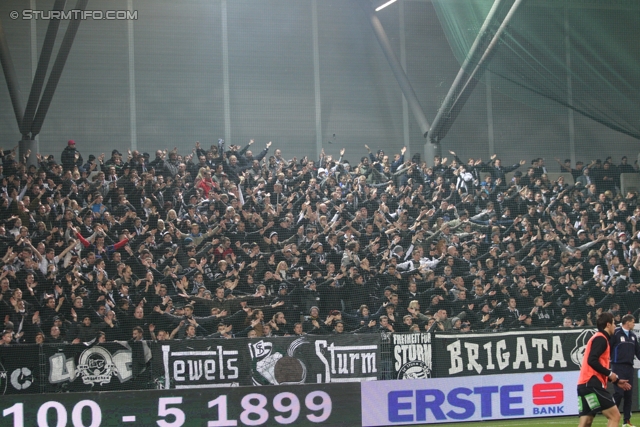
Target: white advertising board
[(479, 398)]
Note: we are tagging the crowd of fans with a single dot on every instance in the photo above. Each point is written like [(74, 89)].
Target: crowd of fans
[(224, 243)]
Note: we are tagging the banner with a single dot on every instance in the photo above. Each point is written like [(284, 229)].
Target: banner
[(19, 369), (315, 359), (199, 363), (411, 355), (478, 398), (100, 367), (517, 351), (266, 361)]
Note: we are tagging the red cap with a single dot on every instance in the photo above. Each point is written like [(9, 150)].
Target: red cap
[(71, 142)]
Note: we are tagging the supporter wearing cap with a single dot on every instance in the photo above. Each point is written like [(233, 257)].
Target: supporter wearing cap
[(283, 228), (310, 296), (140, 162), (70, 157), (623, 239), (91, 165), (50, 311), (322, 174), (272, 239), (312, 321), (114, 155)]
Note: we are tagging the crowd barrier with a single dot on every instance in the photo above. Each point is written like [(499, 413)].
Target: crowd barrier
[(367, 404), (311, 379), (183, 364), (186, 364)]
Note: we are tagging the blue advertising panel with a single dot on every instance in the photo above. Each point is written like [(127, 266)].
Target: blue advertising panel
[(490, 397)]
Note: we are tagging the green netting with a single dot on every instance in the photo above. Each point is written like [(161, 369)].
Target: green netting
[(579, 53)]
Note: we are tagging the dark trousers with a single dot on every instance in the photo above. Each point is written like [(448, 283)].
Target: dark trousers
[(624, 372)]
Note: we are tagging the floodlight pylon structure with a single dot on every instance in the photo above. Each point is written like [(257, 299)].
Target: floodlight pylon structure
[(31, 119), (471, 71)]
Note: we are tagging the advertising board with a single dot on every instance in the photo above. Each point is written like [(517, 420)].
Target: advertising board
[(490, 397), (300, 405)]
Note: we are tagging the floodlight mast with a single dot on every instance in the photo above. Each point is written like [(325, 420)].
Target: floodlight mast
[(470, 72), (30, 122), (10, 76), (41, 70), (56, 70), (396, 67)]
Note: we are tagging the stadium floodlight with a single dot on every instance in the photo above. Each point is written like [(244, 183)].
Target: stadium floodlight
[(384, 4)]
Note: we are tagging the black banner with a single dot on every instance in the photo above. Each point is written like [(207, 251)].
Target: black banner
[(411, 355), (457, 355), (315, 359), (184, 364), (19, 369), (266, 361), (199, 363), (101, 367)]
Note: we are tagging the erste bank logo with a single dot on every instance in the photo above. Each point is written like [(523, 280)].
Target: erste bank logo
[(548, 396)]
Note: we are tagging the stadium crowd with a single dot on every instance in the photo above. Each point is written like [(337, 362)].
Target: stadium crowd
[(227, 242)]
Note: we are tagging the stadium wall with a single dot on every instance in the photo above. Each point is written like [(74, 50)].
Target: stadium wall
[(167, 79)]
